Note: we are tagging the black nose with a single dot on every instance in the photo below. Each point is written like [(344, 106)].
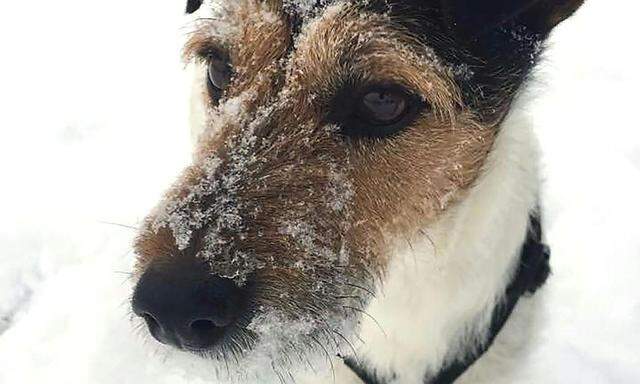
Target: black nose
[(186, 306)]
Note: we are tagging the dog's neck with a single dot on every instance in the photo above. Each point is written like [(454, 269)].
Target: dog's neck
[(443, 289), (532, 272)]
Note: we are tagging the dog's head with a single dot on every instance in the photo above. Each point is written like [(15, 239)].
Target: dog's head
[(333, 130)]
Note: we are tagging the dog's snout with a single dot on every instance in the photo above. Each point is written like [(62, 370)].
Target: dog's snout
[(184, 305)]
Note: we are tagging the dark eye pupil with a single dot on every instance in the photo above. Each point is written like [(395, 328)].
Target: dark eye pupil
[(383, 107), (374, 111), (219, 73)]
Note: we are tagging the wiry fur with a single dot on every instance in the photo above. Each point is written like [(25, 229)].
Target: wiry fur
[(394, 251), (459, 282)]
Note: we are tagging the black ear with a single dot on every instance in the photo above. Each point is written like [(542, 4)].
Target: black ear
[(474, 17), (193, 5)]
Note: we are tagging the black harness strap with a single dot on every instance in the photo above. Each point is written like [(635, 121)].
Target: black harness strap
[(531, 274)]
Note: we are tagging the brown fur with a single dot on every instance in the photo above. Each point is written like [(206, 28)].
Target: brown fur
[(288, 202)]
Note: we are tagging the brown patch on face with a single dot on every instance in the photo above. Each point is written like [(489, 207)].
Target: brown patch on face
[(403, 183), (280, 197)]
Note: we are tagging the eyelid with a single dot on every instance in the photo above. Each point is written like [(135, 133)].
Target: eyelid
[(210, 54), (388, 87), (203, 50)]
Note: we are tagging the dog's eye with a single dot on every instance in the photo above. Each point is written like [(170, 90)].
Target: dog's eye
[(375, 112), (383, 107), (219, 75)]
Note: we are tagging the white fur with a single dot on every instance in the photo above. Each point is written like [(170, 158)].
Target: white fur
[(439, 292)]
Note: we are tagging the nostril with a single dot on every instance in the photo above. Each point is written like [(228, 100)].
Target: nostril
[(203, 326), (205, 331), (151, 321)]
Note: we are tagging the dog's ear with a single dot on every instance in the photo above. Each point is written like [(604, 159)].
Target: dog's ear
[(193, 5), (471, 18)]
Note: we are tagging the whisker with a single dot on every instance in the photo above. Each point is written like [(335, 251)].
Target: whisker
[(360, 287), (128, 276), (346, 341), (433, 245), (333, 371), (327, 327), (413, 252), (226, 363), (293, 380), (359, 299), (119, 225), (280, 378), (362, 268), (303, 357), (369, 316)]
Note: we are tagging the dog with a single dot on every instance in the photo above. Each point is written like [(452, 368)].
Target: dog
[(362, 206)]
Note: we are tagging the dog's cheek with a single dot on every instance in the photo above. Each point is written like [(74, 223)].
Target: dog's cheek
[(406, 183)]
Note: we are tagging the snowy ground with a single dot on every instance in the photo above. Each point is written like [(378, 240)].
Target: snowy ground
[(94, 128)]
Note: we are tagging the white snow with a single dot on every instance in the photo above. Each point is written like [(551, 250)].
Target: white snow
[(94, 128)]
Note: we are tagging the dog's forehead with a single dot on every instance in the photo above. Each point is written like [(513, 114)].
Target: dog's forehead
[(300, 8), (297, 12), (266, 37), (242, 28)]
